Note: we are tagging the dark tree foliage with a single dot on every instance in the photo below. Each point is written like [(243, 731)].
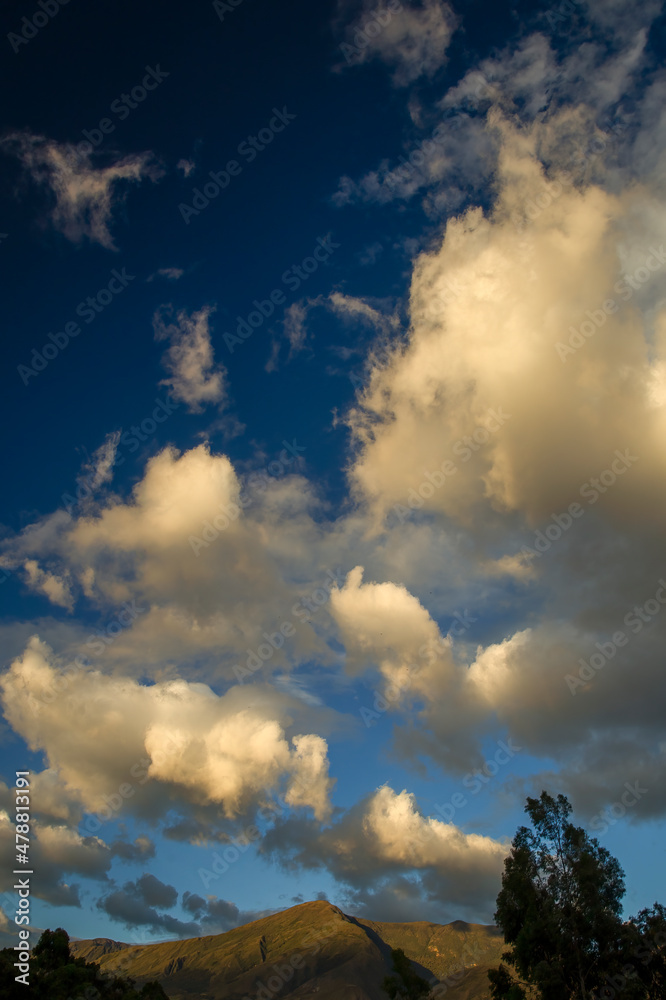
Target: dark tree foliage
[(559, 908), (642, 967), (651, 926), (56, 975), (52, 950), (405, 983)]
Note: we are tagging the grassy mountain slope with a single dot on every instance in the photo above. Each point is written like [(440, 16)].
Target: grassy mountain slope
[(442, 948)]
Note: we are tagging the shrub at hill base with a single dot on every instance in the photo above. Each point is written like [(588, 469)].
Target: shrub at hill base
[(56, 975), (405, 983)]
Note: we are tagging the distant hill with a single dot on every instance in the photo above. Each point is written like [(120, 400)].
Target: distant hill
[(313, 950)]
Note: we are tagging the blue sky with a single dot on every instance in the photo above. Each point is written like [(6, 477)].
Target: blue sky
[(334, 393)]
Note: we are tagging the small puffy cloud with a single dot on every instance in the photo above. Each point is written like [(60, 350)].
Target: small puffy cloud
[(141, 849), (156, 893), (194, 903), (412, 40), (170, 273), (194, 377), (85, 196), (67, 850), (383, 623), (520, 566), (229, 751), (311, 786), (187, 166), (370, 254), (55, 588), (176, 493)]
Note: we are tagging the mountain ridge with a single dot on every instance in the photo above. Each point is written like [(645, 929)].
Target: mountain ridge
[(311, 950)]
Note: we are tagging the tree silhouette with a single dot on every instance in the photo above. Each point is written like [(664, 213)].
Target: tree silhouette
[(560, 909)]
